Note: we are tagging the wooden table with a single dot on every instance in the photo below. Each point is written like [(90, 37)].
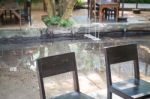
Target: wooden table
[(104, 5)]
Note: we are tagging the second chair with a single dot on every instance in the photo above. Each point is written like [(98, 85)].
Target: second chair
[(134, 88)]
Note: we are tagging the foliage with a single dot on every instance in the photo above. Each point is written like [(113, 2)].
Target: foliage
[(34, 1), (22, 1), (1, 1), (65, 23), (79, 3), (140, 1), (56, 20)]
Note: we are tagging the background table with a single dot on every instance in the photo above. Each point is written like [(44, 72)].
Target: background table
[(11, 9), (104, 5)]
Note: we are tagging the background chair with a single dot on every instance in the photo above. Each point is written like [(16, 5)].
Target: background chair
[(129, 89), (58, 64), (26, 12), (110, 14), (2, 16)]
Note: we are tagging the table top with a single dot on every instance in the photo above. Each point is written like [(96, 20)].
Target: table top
[(13, 7), (10, 6), (100, 2)]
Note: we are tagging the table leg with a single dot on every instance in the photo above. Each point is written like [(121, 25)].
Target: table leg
[(10, 17), (100, 13), (117, 13), (5, 19)]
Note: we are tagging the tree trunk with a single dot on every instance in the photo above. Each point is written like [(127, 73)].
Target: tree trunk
[(44, 5), (68, 9), (50, 7), (60, 7)]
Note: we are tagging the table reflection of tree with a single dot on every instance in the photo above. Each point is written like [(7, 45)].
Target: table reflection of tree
[(88, 56), (18, 57)]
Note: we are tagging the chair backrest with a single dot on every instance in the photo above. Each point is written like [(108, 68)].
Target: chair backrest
[(118, 54), (28, 4), (53, 65)]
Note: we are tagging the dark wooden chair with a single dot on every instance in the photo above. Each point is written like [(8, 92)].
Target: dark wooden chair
[(58, 64), (26, 12), (2, 16), (137, 89)]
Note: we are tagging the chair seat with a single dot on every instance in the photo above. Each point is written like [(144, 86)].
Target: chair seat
[(73, 95), (133, 87)]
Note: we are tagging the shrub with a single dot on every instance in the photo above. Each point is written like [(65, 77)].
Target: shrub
[(66, 23), (56, 20), (140, 1), (79, 2)]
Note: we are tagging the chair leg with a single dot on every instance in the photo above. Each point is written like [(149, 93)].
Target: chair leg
[(115, 13), (105, 14), (146, 69), (109, 94)]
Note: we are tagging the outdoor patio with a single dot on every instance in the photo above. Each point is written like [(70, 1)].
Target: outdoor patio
[(82, 24), (21, 47), (81, 20)]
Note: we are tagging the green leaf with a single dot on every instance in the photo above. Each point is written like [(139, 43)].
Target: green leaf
[(56, 20)]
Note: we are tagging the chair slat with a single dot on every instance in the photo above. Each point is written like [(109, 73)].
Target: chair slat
[(58, 64), (121, 53)]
